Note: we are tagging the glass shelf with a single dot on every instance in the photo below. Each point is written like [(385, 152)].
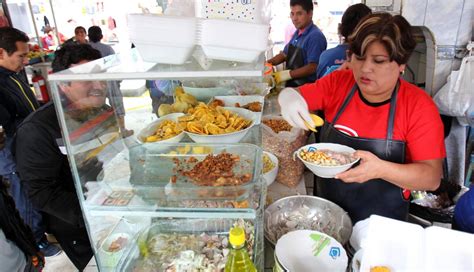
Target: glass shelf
[(128, 65)]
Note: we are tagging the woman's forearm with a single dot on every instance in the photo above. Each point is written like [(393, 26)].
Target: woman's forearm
[(422, 175)]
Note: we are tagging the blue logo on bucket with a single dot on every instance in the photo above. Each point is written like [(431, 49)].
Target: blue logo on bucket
[(335, 252), (312, 149)]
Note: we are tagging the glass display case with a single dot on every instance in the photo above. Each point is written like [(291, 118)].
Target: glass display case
[(161, 204)]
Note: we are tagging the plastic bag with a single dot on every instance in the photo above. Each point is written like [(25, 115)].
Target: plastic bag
[(283, 145), (456, 96), (180, 8)]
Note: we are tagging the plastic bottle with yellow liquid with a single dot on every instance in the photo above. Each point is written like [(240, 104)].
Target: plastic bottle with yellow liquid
[(238, 259)]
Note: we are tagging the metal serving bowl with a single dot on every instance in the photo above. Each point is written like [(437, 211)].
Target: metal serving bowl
[(309, 213)]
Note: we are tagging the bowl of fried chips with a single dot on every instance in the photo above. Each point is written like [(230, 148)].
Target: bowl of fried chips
[(209, 124), (270, 167), (164, 130)]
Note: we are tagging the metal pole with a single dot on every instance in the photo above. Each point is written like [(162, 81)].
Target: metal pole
[(54, 20), (36, 29)]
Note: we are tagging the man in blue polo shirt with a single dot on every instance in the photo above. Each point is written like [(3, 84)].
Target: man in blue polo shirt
[(302, 53)]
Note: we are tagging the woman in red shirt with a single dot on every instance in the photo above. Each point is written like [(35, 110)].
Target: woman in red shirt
[(394, 126)]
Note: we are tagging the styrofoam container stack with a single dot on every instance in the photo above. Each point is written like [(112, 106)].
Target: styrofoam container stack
[(233, 40), (161, 38), (245, 11)]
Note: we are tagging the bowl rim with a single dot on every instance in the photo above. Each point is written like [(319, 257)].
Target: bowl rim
[(171, 116), (299, 232), (297, 153), (279, 201), (250, 116), (274, 160)]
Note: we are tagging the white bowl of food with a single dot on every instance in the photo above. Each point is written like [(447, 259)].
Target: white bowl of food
[(270, 167), (113, 247), (253, 103), (326, 160), (225, 138), (315, 251), (204, 90), (155, 131)]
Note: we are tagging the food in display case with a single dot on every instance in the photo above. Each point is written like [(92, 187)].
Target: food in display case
[(267, 163), (165, 130), (253, 103), (113, 248), (270, 167), (183, 102), (167, 246), (117, 244), (223, 173), (209, 120), (214, 170)]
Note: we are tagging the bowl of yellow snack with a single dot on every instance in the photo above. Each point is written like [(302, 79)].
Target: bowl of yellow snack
[(326, 160), (164, 130), (208, 124), (270, 167)]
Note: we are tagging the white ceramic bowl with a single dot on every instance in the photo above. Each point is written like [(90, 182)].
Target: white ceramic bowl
[(226, 138), (151, 129), (270, 176), (309, 250), (326, 171), (231, 100), (206, 93), (111, 258)]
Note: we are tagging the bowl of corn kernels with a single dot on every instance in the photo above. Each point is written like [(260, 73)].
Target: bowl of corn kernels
[(270, 167), (326, 159)]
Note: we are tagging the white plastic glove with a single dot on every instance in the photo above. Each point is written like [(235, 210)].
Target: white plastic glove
[(294, 108)]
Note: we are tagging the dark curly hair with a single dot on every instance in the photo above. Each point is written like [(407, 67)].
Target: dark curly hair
[(72, 54), (393, 32)]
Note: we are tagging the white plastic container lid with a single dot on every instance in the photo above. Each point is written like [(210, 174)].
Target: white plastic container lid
[(162, 29), (234, 34)]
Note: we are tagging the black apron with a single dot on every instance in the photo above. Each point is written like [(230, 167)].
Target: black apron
[(295, 60), (376, 196)]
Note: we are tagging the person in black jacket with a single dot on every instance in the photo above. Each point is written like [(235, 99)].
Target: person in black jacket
[(19, 250), (42, 160), (17, 101)]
